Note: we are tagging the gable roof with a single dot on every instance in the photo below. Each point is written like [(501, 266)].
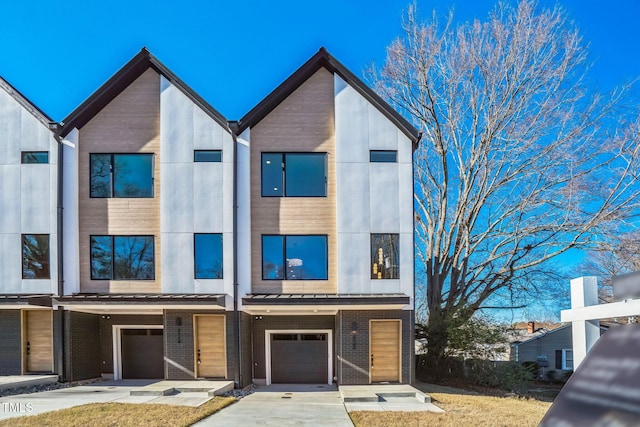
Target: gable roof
[(121, 80), (302, 74), (25, 103)]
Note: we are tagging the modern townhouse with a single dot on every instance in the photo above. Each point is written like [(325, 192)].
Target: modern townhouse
[(274, 249), (28, 235), (327, 272)]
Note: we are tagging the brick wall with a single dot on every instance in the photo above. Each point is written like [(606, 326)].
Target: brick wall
[(353, 349), (82, 340), (106, 334), (261, 323), (10, 345)]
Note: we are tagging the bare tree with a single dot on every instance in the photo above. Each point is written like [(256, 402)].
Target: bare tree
[(520, 159), (611, 257)]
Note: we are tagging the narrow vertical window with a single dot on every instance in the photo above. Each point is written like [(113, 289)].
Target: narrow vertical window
[(272, 175), (385, 257), (35, 256), (208, 256)]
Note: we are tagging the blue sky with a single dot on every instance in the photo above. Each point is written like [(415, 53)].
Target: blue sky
[(235, 53)]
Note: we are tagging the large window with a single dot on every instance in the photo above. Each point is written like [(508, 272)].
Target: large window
[(208, 256), (294, 174), (122, 258), (35, 256), (385, 256), (121, 175), (294, 257)]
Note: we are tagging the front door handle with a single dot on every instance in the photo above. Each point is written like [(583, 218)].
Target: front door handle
[(371, 360)]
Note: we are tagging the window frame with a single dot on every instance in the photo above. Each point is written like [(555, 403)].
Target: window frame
[(378, 160), (196, 152), (22, 251), (284, 172), (564, 359), (113, 261), (284, 256), (112, 181), (23, 154), (195, 264), (371, 260)]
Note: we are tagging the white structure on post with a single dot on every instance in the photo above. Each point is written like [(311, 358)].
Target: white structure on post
[(585, 314)]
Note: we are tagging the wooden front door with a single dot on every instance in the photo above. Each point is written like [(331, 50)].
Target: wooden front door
[(384, 350), (210, 346), (38, 341)]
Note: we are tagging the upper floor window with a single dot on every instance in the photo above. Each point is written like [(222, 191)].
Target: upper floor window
[(207, 156), (383, 156), (294, 174), (35, 157), (208, 256), (294, 257), (122, 258), (121, 175), (385, 258), (35, 256)]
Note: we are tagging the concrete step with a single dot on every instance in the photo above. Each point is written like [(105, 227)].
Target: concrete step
[(170, 388)]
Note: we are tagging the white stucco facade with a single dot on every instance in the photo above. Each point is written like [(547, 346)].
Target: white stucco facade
[(371, 197), (195, 197)]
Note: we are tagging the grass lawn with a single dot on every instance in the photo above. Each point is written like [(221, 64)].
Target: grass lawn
[(123, 414), (462, 409)]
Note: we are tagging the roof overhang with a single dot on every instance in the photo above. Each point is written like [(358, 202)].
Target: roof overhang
[(322, 59), (140, 303), (121, 80), (25, 301), (321, 303)]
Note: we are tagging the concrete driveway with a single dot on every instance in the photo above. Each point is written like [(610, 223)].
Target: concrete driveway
[(285, 405)]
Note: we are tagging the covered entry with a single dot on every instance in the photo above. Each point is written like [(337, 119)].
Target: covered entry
[(384, 350), (37, 345), (299, 357)]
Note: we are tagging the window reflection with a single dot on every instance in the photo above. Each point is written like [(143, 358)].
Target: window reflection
[(122, 258), (121, 175), (294, 257), (208, 256), (35, 256), (385, 256)]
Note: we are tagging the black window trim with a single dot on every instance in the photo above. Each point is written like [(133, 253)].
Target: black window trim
[(113, 262), (372, 152), (284, 172), (207, 151), (111, 196), (284, 255), (195, 277), (22, 153)]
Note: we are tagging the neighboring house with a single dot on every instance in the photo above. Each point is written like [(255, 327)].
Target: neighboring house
[(28, 235), (550, 349), (278, 248)]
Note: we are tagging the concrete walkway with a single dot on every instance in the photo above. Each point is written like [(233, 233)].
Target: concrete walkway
[(15, 381), (285, 405)]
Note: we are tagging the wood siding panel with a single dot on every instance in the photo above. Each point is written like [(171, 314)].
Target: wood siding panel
[(129, 124), (304, 122)]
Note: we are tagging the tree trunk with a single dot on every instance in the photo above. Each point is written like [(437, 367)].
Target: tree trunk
[(437, 338)]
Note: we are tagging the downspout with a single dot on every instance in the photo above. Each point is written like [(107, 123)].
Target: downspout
[(236, 314), (59, 345)]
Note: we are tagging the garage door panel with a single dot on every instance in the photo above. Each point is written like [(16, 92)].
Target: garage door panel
[(299, 358), (142, 354)]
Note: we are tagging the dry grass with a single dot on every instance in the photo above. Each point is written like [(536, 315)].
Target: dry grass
[(123, 415), (461, 410)]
